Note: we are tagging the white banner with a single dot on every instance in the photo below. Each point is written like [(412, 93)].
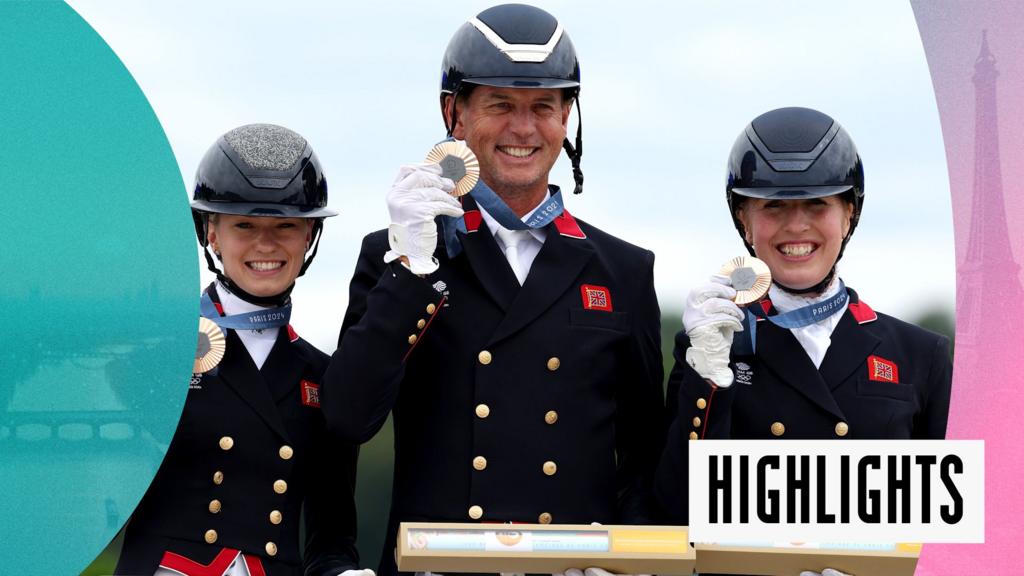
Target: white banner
[(839, 491)]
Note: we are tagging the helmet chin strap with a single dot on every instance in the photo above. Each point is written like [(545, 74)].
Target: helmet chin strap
[(816, 290), (455, 114), (575, 153), (276, 300), (318, 229)]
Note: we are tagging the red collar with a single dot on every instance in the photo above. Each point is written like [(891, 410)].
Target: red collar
[(564, 223), (862, 313), (473, 219), (568, 227)]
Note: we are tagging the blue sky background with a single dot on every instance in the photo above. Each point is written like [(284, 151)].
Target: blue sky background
[(666, 89)]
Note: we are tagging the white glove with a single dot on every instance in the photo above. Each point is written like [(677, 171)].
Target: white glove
[(363, 572), (418, 195), (825, 572), (592, 571), (710, 319)]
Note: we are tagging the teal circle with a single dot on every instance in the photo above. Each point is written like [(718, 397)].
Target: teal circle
[(99, 301)]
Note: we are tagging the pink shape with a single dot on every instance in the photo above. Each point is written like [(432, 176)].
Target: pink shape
[(973, 50)]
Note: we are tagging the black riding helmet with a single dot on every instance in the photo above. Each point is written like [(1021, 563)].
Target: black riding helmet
[(259, 170), (514, 46), (792, 154)]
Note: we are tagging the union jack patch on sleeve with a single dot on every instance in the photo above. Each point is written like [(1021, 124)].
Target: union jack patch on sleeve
[(882, 370), (596, 298), (310, 394)]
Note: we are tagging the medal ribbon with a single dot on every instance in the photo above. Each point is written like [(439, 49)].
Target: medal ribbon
[(804, 316), (490, 201), (255, 320)]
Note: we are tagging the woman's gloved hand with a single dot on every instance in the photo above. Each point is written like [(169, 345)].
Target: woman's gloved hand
[(710, 319)]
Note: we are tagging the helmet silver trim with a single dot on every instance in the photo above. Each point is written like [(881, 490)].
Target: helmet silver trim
[(519, 52)]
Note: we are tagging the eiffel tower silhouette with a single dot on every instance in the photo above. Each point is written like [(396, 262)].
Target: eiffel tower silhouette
[(989, 291)]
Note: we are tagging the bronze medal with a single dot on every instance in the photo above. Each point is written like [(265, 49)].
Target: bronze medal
[(210, 347), (458, 163), (749, 276)]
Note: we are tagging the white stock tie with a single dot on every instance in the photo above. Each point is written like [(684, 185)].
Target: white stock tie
[(511, 239)]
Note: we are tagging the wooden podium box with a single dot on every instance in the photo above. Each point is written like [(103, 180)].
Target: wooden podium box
[(541, 548), (769, 559)]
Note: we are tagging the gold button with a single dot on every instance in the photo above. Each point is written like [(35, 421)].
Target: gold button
[(214, 506), (483, 410), (271, 549), (842, 429), (226, 443), (276, 517), (554, 363), (285, 452), (778, 428), (693, 436), (484, 357), (544, 518), (431, 308), (701, 403), (421, 324), (280, 486), (479, 462), (476, 512), (412, 339), (210, 536), (551, 417), (218, 477), (550, 468), (696, 421)]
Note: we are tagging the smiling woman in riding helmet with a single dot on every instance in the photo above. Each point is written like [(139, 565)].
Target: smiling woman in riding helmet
[(251, 456), (823, 364)]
